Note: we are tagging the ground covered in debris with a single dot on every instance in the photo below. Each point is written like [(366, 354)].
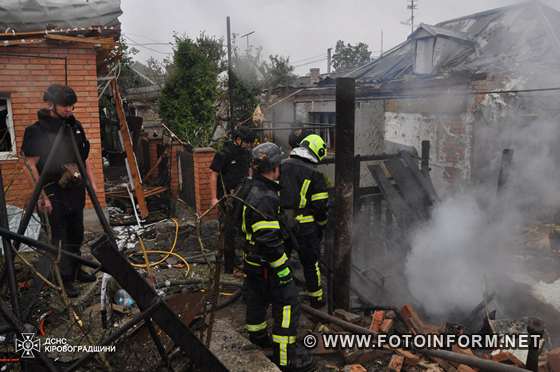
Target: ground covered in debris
[(184, 279)]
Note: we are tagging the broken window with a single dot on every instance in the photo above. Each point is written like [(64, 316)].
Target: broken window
[(7, 138), (323, 120)]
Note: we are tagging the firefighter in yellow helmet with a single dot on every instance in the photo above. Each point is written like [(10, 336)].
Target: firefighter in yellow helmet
[(303, 199)]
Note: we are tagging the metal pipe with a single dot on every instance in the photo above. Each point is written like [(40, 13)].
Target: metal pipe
[(18, 325), (45, 247), (98, 210), (115, 336), (483, 364), (8, 253)]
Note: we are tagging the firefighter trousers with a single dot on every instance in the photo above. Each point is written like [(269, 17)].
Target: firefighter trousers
[(261, 291)]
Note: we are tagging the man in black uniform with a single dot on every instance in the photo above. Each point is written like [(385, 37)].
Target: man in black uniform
[(63, 196), (269, 277), (303, 198), (229, 168)]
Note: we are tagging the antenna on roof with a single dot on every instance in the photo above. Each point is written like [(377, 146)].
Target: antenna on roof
[(412, 6)]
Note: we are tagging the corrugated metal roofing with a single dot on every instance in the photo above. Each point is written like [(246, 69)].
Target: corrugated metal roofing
[(40, 15), (523, 40)]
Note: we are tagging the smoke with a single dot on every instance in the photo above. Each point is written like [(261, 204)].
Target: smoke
[(472, 238)]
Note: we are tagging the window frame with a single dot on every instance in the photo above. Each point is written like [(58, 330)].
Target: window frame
[(9, 155)]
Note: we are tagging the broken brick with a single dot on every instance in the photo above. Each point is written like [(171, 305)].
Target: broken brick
[(365, 356), (554, 360), (415, 323), (411, 359), (465, 368), (354, 368), (387, 325), (396, 363), (347, 316), (507, 357), (377, 320)]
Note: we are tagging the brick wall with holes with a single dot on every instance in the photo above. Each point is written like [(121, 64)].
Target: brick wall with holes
[(202, 158), (23, 80)]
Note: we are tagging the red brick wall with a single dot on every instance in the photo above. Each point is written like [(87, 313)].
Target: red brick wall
[(202, 158), (153, 148), (25, 80), (175, 152)]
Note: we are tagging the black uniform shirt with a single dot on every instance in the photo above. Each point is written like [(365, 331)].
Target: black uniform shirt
[(232, 163), (38, 140)]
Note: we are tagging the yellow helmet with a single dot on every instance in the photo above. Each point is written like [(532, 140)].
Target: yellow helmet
[(316, 145)]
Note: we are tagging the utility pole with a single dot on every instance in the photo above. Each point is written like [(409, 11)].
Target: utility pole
[(246, 36), (381, 53), (230, 75), (412, 6), (329, 60)]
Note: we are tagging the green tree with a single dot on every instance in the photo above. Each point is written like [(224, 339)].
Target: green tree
[(278, 72), (348, 56), (189, 97), (251, 76)]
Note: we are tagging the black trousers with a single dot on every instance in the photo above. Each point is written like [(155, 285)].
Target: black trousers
[(261, 291), (67, 228), (309, 251), (229, 237)]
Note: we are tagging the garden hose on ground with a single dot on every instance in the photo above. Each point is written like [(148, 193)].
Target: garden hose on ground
[(166, 254)]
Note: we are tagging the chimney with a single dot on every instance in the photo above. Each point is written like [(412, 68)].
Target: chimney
[(314, 75)]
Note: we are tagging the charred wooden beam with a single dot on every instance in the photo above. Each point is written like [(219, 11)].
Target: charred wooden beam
[(344, 189)]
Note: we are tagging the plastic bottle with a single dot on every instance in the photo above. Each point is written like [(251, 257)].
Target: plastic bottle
[(123, 298)]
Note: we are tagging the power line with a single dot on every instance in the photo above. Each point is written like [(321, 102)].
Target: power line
[(311, 62), (308, 58), (145, 47)]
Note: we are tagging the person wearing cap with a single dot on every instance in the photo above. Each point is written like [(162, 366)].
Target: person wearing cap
[(63, 196), (230, 167), (304, 201), (268, 274)]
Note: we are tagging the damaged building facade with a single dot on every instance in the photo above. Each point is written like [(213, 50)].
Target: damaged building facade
[(453, 84), (36, 52)]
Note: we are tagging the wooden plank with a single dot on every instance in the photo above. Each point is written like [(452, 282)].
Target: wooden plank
[(134, 173), (405, 216), (106, 42), (424, 180), (411, 190)]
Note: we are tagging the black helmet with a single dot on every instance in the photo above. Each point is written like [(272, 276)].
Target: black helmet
[(61, 95), (266, 157), (245, 134), (297, 135)]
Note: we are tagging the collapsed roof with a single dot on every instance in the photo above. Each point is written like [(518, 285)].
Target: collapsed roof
[(522, 40), (43, 15)]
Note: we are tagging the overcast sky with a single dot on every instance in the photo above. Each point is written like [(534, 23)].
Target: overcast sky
[(300, 29)]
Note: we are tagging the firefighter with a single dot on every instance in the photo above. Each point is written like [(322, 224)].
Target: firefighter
[(268, 274), (230, 167), (304, 198)]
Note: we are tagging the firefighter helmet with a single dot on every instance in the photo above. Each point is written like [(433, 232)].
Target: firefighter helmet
[(266, 157), (61, 95), (316, 145)]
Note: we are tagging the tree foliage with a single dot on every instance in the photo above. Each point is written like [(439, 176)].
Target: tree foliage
[(189, 97), (251, 76), (348, 56)]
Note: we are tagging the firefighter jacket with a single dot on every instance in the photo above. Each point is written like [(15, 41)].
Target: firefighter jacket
[(303, 193), (261, 228)]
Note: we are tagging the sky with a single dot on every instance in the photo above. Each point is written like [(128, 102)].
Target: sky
[(302, 30)]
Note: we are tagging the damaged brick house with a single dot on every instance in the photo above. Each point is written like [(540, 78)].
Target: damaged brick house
[(440, 85), (66, 44)]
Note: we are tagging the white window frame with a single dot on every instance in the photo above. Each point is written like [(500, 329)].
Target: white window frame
[(9, 155)]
